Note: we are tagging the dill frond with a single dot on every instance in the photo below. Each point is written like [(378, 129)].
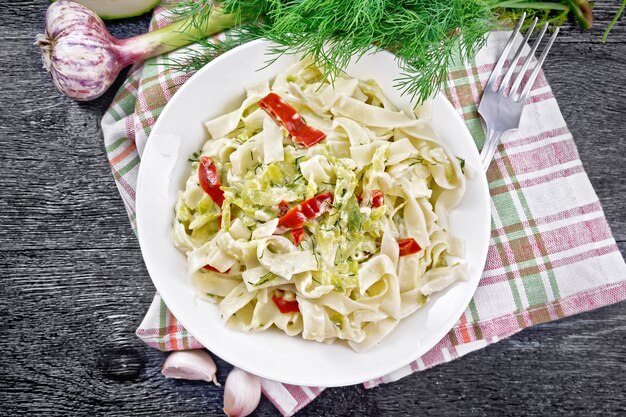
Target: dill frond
[(199, 12)]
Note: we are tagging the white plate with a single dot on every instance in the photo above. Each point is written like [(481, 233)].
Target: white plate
[(218, 88)]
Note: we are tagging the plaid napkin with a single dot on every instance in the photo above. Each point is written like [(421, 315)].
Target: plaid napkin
[(551, 255)]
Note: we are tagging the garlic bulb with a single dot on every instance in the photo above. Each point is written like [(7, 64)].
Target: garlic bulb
[(242, 393), (84, 59), (78, 51), (196, 365)]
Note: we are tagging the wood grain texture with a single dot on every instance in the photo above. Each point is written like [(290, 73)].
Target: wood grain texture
[(74, 287)]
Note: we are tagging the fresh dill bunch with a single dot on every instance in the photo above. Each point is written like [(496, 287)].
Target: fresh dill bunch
[(427, 36)]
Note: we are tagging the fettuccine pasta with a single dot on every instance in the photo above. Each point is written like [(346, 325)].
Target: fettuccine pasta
[(320, 209)]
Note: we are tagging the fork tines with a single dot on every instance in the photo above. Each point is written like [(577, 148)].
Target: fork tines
[(502, 89)]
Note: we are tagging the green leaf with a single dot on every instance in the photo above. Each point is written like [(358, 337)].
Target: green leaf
[(354, 214)]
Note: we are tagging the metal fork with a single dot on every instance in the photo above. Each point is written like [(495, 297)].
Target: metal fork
[(502, 112)]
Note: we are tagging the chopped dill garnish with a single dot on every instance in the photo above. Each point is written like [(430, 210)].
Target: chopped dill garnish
[(462, 164), (264, 278), (195, 157), (417, 160)]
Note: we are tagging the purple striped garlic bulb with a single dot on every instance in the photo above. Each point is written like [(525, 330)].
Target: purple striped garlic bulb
[(78, 51), (84, 59)]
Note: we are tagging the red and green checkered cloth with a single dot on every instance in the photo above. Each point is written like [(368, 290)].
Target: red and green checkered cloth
[(551, 255)]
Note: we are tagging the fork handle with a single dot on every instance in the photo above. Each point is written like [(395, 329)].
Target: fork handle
[(489, 148)]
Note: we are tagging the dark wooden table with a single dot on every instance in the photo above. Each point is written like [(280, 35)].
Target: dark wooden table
[(74, 287)]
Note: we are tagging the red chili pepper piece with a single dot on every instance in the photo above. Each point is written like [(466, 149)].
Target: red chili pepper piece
[(284, 305), (378, 198), (283, 208), (408, 246), (210, 180), (297, 235), (212, 269), (284, 114), (307, 210)]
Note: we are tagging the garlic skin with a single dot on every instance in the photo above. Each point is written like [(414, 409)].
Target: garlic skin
[(194, 365), (242, 393), (78, 51)]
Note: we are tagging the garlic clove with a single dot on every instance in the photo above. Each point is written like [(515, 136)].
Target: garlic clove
[(242, 393), (195, 365)]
